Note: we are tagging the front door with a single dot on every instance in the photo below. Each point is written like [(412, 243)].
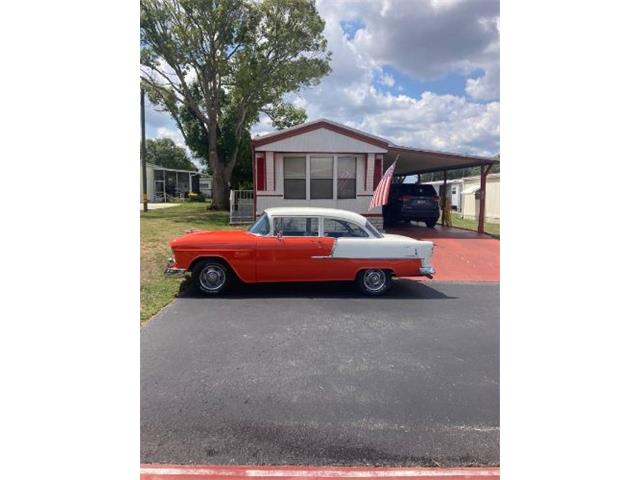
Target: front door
[(158, 192), (288, 254)]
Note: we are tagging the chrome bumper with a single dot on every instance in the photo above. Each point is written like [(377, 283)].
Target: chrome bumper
[(169, 271), (428, 271)]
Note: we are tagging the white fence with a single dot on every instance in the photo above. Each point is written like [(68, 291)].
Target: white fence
[(241, 207)]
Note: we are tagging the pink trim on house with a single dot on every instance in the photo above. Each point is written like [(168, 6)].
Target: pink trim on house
[(366, 170)]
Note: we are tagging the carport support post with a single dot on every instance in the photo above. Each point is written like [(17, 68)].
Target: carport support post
[(484, 171), (443, 200)]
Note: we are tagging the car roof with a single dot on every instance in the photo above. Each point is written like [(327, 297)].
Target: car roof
[(317, 212)]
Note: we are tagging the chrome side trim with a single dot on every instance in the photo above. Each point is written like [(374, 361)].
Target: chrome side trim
[(369, 258)]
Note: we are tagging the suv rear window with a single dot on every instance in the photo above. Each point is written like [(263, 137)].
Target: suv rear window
[(417, 190)]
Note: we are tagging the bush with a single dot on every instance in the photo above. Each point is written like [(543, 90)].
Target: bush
[(196, 197)]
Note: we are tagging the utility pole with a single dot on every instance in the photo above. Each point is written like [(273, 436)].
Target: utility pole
[(143, 153)]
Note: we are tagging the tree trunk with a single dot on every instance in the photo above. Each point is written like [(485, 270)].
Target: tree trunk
[(220, 193), (219, 184)]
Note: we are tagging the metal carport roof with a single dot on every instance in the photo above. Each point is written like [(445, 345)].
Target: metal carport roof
[(412, 161)]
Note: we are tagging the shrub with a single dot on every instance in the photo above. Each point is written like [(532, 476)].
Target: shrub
[(196, 197)]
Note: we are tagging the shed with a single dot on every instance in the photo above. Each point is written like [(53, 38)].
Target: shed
[(163, 183)]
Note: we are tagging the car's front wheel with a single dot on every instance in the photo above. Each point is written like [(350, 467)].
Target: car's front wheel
[(431, 222), (374, 281), (211, 277)]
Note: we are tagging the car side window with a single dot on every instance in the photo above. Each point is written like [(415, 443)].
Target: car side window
[(341, 228), (295, 226)]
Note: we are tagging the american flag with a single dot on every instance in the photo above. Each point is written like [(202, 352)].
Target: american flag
[(381, 195)]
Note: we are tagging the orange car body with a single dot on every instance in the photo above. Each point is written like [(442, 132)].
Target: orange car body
[(291, 244), (256, 258)]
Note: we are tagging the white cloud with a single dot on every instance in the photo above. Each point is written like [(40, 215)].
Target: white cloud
[(444, 122), (172, 133), (424, 39), (486, 87), (388, 80)]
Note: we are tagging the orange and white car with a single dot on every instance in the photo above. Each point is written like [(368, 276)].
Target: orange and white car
[(300, 244)]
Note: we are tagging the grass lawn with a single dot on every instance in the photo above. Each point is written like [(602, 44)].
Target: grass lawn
[(492, 229), (157, 228)]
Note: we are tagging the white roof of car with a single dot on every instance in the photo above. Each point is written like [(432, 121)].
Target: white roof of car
[(317, 212)]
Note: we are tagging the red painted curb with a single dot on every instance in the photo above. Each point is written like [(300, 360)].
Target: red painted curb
[(207, 472)]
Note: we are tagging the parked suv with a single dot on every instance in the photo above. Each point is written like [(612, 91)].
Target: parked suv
[(412, 202)]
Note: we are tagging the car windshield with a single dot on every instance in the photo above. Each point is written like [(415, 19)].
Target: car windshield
[(261, 227)]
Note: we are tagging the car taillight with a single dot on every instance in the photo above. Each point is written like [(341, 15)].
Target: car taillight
[(404, 198), (436, 198)]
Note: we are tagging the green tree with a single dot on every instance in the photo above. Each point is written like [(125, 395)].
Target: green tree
[(196, 138), (219, 63), (164, 152)]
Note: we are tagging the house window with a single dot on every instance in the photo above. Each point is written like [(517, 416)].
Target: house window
[(295, 178), (321, 177), (346, 177)]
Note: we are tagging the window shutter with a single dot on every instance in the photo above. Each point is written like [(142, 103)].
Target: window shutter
[(377, 172), (261, 173)]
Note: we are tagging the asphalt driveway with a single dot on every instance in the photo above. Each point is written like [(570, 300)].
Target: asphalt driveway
[(318, 375)]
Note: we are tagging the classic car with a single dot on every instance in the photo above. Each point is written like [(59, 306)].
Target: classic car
[(300, 244)]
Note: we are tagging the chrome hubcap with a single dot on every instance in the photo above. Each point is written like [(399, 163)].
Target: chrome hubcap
[(374, 280), (212, 278)]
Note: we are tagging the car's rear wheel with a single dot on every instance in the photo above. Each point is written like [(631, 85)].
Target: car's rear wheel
[(431, 222), (211, 277), (374, 281)]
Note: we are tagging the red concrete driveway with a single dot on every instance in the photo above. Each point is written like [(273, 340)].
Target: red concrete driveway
[(233, 472), (459, 255)]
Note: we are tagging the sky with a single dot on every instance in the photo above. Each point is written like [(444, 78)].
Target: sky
[(420, 73)]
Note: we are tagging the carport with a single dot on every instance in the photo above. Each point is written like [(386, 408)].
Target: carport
[(414, 161)]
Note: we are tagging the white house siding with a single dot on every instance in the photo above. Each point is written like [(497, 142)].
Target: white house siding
[(269, 160), (205, 185), (455, 184), (320, 140), (471, 206)]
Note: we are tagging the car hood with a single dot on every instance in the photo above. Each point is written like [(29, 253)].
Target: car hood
[(218, 238)]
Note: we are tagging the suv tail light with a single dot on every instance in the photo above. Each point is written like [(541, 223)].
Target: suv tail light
[(404, 198)]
